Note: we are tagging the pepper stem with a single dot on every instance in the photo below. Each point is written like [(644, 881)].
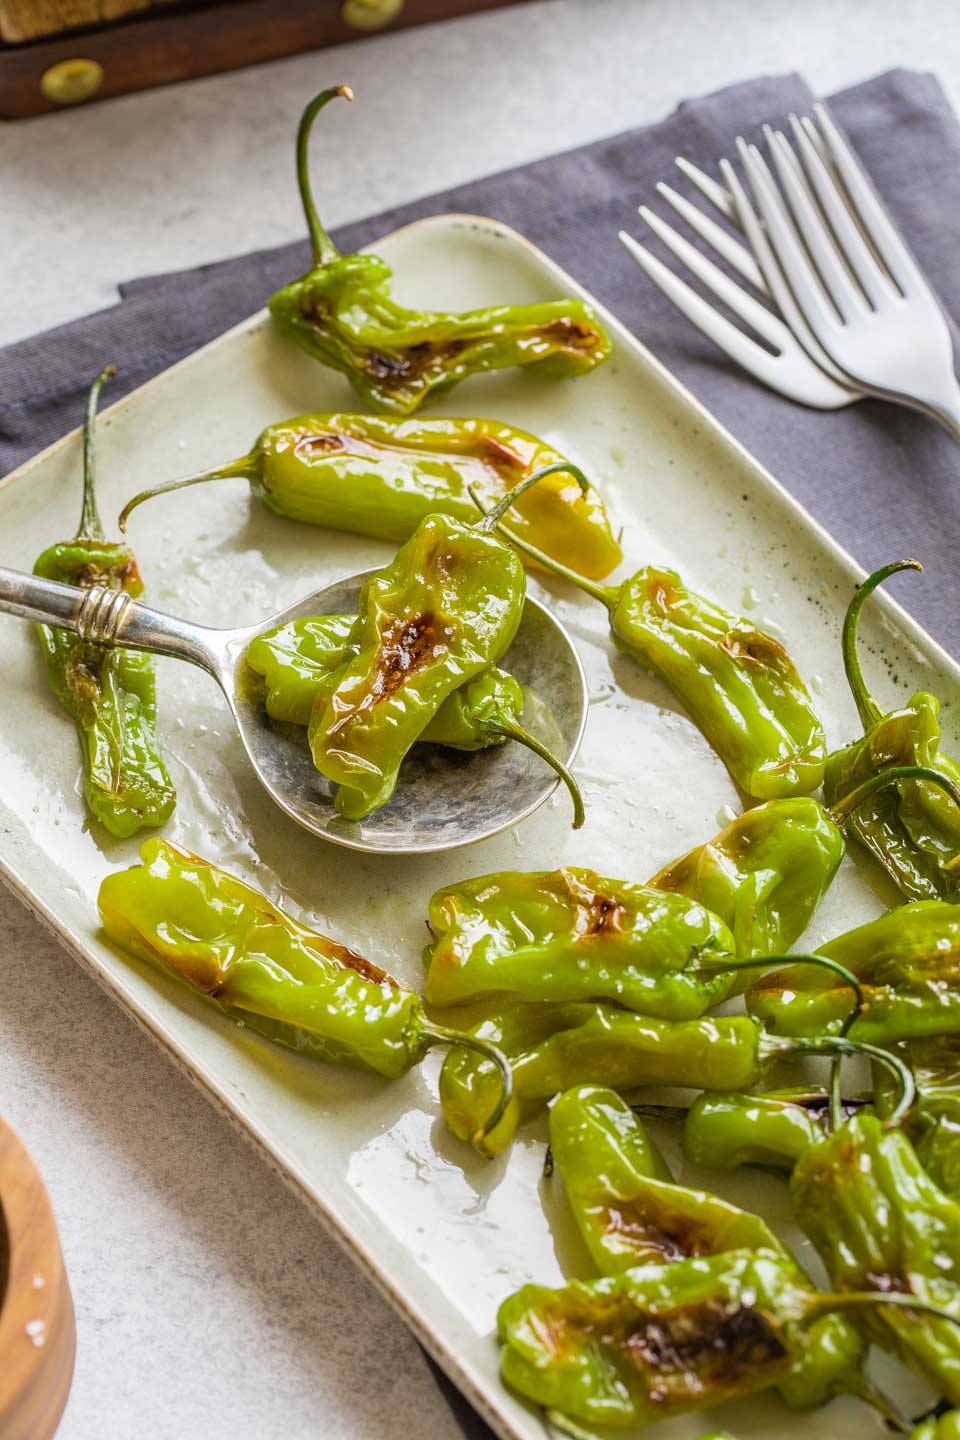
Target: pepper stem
[(828, 1301), (512, 731), (441, 1035), (90, 526), (823, 961), (566, 1426), (845, 807), (867, 707), (841, 1045), (245, 468), (324, 250), (493, 516), (606, 594)]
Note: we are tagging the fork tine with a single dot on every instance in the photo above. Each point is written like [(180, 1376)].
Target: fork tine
[(836, 280), (719, 239), (701, 313), (786, 245), (892, 250), (806, 385), (707, 186), (848, 235), (757, 316), (776, 284)]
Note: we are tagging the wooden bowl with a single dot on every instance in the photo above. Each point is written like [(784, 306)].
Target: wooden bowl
[(37, 1330)]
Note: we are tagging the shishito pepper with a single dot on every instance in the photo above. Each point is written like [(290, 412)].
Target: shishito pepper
[(553, 1047), (444, 610), (738, 684), (933, 1124), (772, 1128), (938, 1427), (880, 1223), (372, 476), (299, 661), (663, 1340), (571, 935), (907, 963), (297, 987), (109, 692), (341, 312), (630, 1211), (913, 830), (764, 874)]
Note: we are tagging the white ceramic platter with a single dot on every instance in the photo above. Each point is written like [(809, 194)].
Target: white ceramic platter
[(445, 1235)]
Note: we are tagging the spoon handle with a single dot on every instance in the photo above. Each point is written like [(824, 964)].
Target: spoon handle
[(111, 617)]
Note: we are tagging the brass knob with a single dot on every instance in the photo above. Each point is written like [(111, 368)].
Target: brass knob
[(369, 14), (70, 81)]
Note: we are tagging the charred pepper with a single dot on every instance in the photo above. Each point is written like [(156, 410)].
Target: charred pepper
[(880, 1223), (341, 313), (662, 1340), (630, 1211), (445, 609), (907, 963), (299, 662), (912, 830), (299, 988), (109, 692), (553, 1047), (738, 684), (764, 874), (371, 476)]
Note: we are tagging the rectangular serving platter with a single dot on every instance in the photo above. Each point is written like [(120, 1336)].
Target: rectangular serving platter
[(443, 1234)]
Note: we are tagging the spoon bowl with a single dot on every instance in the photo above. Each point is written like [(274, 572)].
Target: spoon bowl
[(443, 799)]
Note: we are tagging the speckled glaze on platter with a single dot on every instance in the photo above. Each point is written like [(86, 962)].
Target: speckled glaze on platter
[(444, 1234)]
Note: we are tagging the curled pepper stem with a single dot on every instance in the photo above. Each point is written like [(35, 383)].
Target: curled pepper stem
[(440, 1035), (243, 469), (867, 707), (492, 517), (607, 594), (90, 526), (823, 961), (845, 807), (512, 731), (840, 1045), (324, 250)]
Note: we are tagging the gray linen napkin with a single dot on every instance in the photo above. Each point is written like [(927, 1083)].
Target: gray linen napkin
[(882, 480)]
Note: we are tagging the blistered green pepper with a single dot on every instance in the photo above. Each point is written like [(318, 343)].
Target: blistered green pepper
[(297, 987), (907, 963), (553, 1047), (299, 661), (772, 1128), (662, 1340), (764, 874), (938, 1427), (630, 1211), (342, 314), (912, 830), (109, 692), (443, 611), (569, 935), (933, 1124), (371, 476), (880, 1223), (738, 684)]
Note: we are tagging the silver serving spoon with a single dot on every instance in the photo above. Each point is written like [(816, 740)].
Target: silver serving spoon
[(444, 798)]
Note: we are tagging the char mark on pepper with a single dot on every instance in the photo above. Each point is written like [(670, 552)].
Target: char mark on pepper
[(668, 1235), (695, 1342), (753, 647)]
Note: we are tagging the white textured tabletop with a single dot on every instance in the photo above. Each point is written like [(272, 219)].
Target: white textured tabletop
[(209, 1301)]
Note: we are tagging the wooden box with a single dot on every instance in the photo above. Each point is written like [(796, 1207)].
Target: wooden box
[(55, 53)]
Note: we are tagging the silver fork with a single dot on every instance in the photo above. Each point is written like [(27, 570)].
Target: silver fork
[(795, 365), (852, 278)]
